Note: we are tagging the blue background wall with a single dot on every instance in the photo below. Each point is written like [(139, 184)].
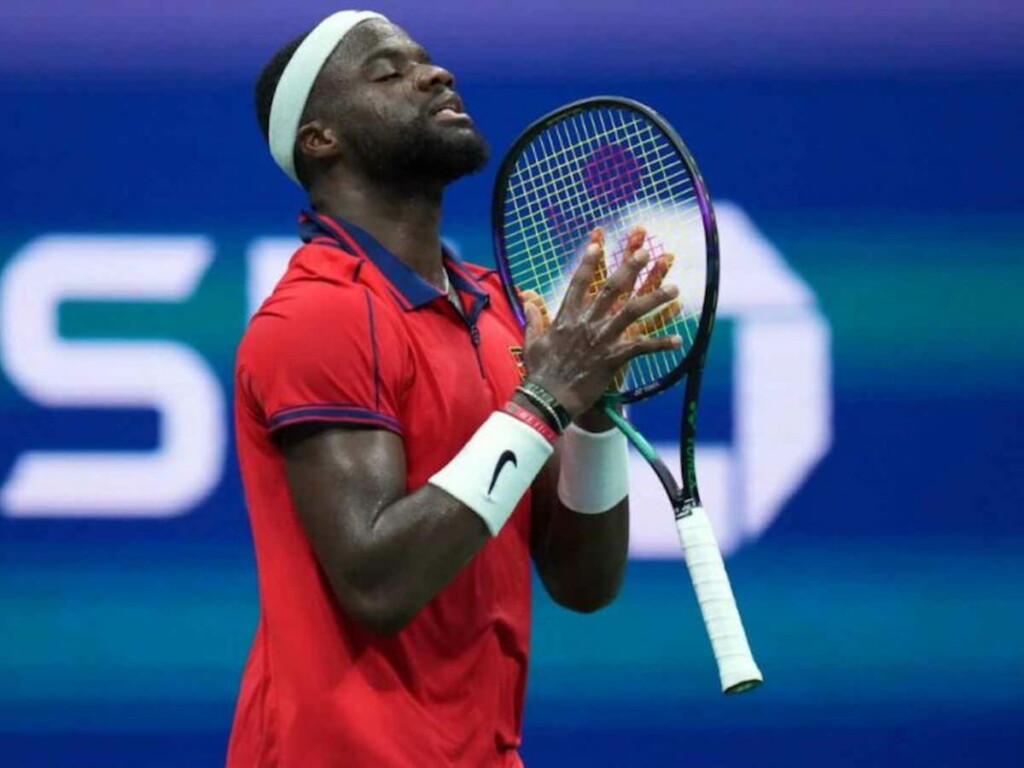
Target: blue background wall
[(878, 148)]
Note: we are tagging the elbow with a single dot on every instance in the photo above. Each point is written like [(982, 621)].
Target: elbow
[(588, 603), (378, 612), (384, 624), (584, 598), (377, 599)]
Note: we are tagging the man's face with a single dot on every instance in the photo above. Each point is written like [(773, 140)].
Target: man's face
[(396, 112)]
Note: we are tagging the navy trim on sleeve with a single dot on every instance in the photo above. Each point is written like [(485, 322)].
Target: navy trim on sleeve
[(345, 414)]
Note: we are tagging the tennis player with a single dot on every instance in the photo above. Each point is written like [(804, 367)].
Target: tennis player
[(401, 464)]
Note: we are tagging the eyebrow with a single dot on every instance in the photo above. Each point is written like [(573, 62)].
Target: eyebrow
[(394, 51)]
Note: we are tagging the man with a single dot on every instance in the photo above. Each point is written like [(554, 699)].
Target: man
[(398, 482)]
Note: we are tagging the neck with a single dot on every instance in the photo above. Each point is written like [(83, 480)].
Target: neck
[(404, 218)]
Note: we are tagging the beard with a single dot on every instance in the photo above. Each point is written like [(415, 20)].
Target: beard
[(418, 152)]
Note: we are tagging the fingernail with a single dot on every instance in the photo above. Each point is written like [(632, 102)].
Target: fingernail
[(677, 341), (640, 257), (671, 291)]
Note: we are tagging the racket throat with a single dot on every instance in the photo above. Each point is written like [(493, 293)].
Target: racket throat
[(683, 503), (684, 507)]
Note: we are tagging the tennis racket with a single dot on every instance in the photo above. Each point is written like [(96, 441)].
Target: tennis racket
[(615, 164)]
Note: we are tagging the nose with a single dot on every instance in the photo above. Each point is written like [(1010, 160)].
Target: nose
[(430, 76)]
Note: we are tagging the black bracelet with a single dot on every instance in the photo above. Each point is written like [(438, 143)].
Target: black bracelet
[(546, 402)]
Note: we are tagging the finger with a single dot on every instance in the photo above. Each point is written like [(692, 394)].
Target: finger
[(532, 297), (655, 274), (634, 241), (643, 345), (652, 280), (639, 307), (619, 284), (656, 322), (601, 268), (618, 380), (575, 295), (534, 322)]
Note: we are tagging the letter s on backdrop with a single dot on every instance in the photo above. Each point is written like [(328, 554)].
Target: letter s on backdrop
[(167, 376)]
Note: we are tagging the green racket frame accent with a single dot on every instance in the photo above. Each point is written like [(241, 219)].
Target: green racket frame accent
[(684, 498)]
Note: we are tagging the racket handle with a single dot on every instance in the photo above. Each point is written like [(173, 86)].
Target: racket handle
[(736, 665)]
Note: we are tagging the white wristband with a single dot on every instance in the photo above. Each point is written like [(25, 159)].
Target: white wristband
[(495, 468), (595, 470)]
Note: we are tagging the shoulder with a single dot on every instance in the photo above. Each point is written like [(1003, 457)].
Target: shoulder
[(316, 270), (322, 282), (320, 299)]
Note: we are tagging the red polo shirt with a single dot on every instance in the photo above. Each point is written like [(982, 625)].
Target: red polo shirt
[(353, 336)]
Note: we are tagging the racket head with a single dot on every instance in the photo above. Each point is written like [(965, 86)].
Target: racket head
[(610, 162)]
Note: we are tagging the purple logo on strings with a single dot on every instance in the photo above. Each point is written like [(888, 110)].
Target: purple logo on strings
[(612, 175)]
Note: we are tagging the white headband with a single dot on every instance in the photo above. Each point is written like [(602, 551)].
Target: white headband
[(297, 81)]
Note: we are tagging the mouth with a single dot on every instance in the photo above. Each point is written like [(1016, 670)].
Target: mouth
[(450, 109)]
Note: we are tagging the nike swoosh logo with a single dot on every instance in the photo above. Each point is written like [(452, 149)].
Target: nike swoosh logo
[(506, 457)]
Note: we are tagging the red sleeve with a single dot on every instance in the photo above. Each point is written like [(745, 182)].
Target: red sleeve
[(325, 353)]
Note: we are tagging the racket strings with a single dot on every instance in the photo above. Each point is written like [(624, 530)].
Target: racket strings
[(542, 171), (613, 168), (550, 168), (541, 175)]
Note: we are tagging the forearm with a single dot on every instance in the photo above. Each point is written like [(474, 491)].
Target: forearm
[(582, 557), (413, 548), (387, 553)]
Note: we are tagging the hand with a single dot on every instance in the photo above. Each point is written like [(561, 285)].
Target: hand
[(599, 329)]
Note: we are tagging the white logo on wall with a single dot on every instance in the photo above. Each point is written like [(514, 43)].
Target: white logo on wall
[(169, 377), (781, 402)]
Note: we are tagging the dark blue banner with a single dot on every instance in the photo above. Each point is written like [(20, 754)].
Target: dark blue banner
[(860, 447)]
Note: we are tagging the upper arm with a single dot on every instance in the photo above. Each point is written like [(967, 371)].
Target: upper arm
[(340, 480), (326, 369)]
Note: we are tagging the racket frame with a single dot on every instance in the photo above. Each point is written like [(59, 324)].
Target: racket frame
[(694, 357), (691, 521), (688, 496)]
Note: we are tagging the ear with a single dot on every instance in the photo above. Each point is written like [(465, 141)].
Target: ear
[(317, 140)]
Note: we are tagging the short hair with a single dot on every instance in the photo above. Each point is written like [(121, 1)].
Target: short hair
[(266, 85)]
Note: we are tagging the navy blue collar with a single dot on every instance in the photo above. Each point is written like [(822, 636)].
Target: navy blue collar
[(412, 290)]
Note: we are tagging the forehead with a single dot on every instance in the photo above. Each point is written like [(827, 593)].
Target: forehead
[(371, 37)]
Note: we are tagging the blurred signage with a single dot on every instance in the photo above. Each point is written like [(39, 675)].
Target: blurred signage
[(781, 388)]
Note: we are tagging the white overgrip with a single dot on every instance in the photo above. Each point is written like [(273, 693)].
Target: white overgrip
[(736, 665)]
